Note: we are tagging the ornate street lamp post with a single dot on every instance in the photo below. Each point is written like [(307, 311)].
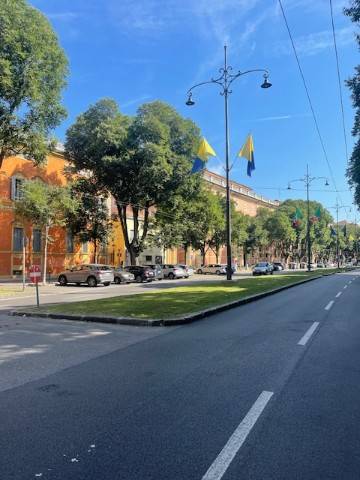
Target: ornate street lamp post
[(307, 179), (224, 81)]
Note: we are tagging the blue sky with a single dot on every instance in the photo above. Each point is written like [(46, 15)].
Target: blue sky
[(138, 51)]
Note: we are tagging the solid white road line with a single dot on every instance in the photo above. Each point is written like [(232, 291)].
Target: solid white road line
[(345, 287), (329, 305), (308, 334), (227, 454), (338, 295)]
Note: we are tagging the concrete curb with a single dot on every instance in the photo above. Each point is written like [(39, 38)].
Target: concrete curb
[(169, 322)]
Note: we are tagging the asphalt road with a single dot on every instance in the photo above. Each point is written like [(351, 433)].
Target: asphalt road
[(269, 390)]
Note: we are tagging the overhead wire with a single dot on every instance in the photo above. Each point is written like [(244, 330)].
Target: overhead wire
[(339, 80), (310, 101)]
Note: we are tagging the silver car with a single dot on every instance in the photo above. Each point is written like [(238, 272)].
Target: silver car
[(217, 269), (173, 271), (122, 276), (189, 270), (263, 268), (92, 274)]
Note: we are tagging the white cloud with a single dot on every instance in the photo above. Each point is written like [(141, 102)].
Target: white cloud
[(62, 16), (317, 42), (134, 101), (281, 117)]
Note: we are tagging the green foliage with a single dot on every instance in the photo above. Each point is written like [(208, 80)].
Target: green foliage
[(45, 205), (91, 221), (33, 69), (353, 171), (143, 162)]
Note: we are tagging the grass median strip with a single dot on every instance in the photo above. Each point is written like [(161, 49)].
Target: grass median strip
[(173, 302)]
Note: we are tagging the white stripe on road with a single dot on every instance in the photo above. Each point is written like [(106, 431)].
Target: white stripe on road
[(338, 295), (308, 334), (345, 287), (350, 282), (329, 305), (227, 454)]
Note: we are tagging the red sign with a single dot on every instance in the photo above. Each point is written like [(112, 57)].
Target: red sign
[(35, 273)]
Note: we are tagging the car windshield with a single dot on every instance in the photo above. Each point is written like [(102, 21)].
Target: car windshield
[(102, 268), (261, 264)]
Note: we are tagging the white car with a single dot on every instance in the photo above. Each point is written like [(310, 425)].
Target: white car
[(263, 268), (189, 270), (173, 271), (217, 269)]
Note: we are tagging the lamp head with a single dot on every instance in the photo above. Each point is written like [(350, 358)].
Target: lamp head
[(289, 186), (327, 183), (190, 102), (266, 83)]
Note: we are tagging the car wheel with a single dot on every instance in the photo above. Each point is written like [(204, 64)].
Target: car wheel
[(217, 272), (92, 282), (106, 284), (138, 279), (62, 280), (199, 271), (171, 276), (117, 280)]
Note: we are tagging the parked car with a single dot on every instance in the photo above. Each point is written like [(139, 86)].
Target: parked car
[(92, 274), (141, 274), (189, 270), (122, 276), (263, 268), (278, 266), (216, 268), (321, 265), (159, 274), (173, 271)]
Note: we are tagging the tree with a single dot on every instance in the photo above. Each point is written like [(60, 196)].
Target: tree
[(33, 69), (353, 170), (143, 162), (90, 221), (281, 232), (47, 206)]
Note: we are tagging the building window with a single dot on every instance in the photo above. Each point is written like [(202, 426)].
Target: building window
[(69, 242), (36, 240), (16, 188), (84, 247), (148, 258), (18, 239)]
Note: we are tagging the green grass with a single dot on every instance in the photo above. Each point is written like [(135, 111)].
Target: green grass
[(172, 302)]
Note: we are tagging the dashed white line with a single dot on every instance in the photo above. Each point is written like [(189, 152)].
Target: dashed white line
[(308, 334), (345, 287), (227, 454), (329, 305), (338, 295), (350, 282)]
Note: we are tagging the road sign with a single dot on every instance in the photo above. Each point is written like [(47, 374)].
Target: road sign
[(35, 273)]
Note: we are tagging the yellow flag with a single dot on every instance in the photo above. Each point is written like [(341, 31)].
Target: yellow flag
[(205, 149), (247, 151), (351, 238)]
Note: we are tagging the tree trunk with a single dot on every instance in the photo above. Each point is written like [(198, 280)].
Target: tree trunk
[(186, 247), (2, 157), (45, 253), (95, 250)]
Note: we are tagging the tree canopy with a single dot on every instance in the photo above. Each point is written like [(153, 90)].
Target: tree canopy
[(33, 69), (353, 171), (142, 161)]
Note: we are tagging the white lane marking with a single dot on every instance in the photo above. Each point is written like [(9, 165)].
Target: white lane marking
[(227, 454), (338, 295), (345, 287), (350, 282), (308, 334), (329, 305)]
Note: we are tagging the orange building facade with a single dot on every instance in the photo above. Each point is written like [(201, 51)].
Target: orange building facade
[(22, 243)]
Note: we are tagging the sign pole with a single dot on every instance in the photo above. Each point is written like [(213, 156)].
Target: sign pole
[(24, 262), (37, 293)]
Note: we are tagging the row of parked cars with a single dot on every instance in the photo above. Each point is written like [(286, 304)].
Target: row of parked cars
[(94, 274)]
